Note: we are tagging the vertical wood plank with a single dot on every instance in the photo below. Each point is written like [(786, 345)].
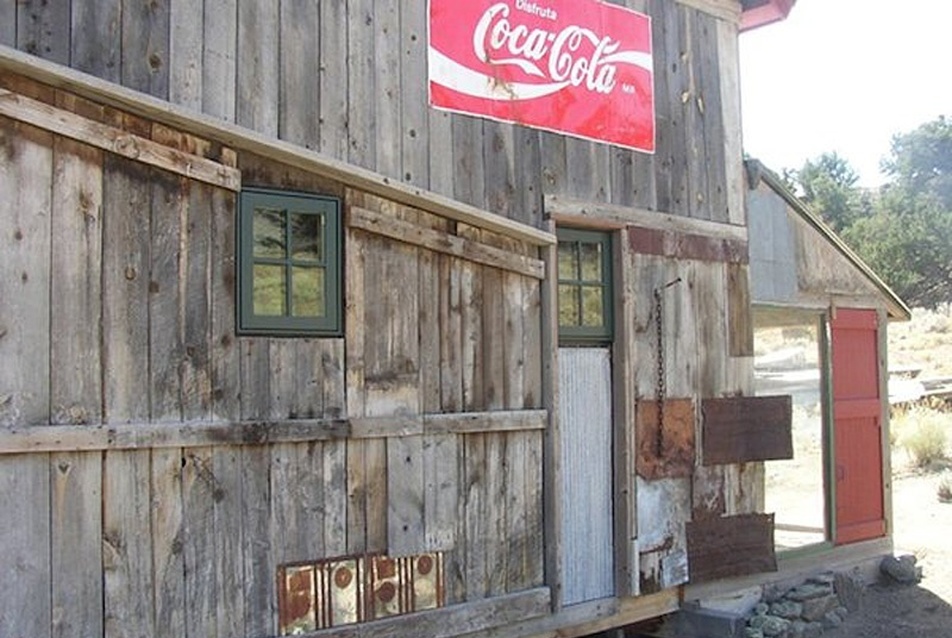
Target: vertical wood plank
[(76, 301), (187, 28), (496, 513), (728, 58), (441, 490), (25, 534), (709, 92), (528, 198), (554, 169), (219, 59), (362, 129), (200, 490), (257, 66), (441, 145), (332, 374), (25, 284), (664, 142), (499, 172), (533, 349), (451, 388), (230, 532), (127, 545), (517, 351), (126, 256), (355, 263), (428, 331), (259, 565), (469, 181), (76, 542), (164, 306), (145, 47), (517, 506), (405, 496), (678, 63), (334, 73), (43, 29), (710, 304), (300, 95), (356, 508), (388, 96), (692, 115), (97, 49), (8, 23), (471, 297), (535, 510), (492, 341), (335, 498), (225, 360), (255, 379), (196, 302), (169, 535), (475, 527), (413, 80), (297, 501)]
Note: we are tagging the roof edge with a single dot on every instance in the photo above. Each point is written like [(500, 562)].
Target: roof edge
[(897, 309)]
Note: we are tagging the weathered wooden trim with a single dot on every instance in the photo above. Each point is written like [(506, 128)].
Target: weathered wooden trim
[(598, 215), (130, 436), (241, 138), (114, 140), (474, 422), (686, 246), (480, 615), (444, 243)]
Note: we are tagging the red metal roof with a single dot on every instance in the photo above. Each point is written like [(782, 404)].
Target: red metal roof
[(757, 13)]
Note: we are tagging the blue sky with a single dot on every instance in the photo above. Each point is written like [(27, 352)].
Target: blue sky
[(845, 76)]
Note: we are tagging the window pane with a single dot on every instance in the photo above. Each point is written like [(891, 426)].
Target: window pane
[(307, 292), (269, 233), (591, 262), (568, 260), (568, 305), (269, 293), (307, 237), (593, 313)]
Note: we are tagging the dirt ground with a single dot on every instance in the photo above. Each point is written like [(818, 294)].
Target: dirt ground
[(923, 528)]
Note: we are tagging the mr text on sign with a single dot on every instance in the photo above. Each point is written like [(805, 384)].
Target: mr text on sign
[(579, 67)]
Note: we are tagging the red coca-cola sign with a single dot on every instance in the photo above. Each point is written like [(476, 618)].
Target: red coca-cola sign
[(580, 67)]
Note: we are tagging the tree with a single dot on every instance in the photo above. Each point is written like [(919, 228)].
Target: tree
[(828, 187), (920, 162)]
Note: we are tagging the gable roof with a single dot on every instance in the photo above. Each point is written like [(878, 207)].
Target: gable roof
[(758, 13), (757, 173)]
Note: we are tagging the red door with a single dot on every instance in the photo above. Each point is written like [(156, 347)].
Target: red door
[(857, 431)]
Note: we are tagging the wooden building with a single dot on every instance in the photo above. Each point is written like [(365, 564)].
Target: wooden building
[(284, 349)]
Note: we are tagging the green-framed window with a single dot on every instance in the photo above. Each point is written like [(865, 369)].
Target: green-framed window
[(289, 264), (585, 285)]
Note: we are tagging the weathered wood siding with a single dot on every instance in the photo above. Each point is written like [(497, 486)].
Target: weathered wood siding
[(349, 79), (118, 288)]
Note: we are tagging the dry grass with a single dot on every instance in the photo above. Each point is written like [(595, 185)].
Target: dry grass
[(925, 341), (923, 433)]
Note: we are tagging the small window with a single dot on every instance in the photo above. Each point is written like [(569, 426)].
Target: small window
[(289, 264), (585, 286)]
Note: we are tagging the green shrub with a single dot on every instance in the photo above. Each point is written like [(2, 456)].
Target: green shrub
[(923, 435), (945, 489)]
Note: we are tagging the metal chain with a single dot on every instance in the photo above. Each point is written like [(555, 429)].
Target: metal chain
[(661, 388)]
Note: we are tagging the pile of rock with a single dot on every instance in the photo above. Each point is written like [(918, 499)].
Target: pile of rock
[(805, 611)]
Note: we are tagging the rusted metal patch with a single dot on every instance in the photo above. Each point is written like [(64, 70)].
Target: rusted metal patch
[(348, 590), (731, 546), (674, 457), (745, 429)]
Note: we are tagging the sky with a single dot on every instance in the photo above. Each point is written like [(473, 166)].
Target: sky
[(845, 76)]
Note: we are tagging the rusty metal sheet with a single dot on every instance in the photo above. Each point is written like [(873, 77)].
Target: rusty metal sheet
[(669, 453), (354, 589)]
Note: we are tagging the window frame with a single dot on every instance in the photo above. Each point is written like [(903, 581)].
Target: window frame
[(578, 334), (329, 208)]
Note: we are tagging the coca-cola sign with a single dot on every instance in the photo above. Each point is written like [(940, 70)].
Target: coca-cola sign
[(580, 67)]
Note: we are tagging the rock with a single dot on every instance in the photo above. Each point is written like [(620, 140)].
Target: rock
[(842, 612), (850, 590), (797, 629), (774, 593), (758, 622), (808, 591), (816, 608), (774, 626), (750, 632), (826, 578), (813, 630), (786, 609), (761, 609), (901, 570), (832, 620)]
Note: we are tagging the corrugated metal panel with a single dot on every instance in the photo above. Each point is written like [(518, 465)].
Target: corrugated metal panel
[(585, 425)]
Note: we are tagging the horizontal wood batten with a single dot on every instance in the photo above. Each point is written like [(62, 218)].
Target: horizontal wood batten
[(114, 140), (62, 438), (240, 138), (678, 245), (598, 215), (441, 242), (496, 612)]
